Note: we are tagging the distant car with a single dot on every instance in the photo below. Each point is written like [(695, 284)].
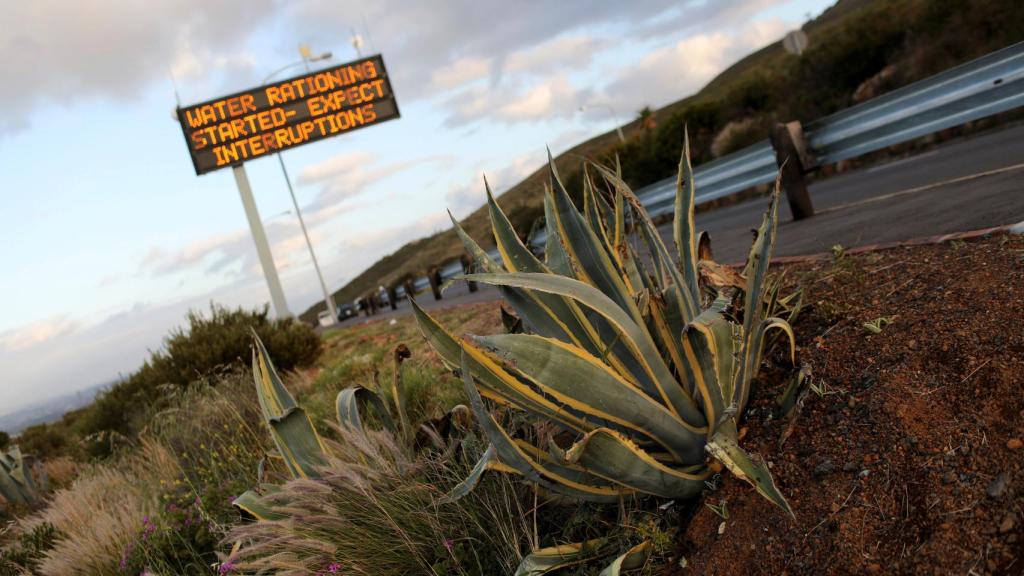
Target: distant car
[(346, 311), (324, 317)]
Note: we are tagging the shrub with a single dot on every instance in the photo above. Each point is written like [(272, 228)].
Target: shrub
[(207, 347), (739, 134), (24, 554)]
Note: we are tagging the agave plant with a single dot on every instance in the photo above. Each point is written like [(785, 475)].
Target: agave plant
[(642, 366), (16, 483)]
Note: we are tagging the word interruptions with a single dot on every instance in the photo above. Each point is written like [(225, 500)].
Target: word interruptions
[(230, 130)]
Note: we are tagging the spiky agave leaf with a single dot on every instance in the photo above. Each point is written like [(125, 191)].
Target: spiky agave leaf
[(296, 439), (16, 483)]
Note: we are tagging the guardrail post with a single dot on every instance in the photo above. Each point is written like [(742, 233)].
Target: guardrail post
[(434, 277), (794, 159), (467, 268), (410, 288)]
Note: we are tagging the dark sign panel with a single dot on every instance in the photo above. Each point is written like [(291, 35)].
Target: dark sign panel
[(250, 124)]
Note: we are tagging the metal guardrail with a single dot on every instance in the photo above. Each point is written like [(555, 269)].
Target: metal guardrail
[(991, 84), (716, 179), (988, 85)]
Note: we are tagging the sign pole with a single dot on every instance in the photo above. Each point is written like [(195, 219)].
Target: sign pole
[(262, 246)]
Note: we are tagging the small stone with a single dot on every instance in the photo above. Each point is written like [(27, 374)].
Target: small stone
[(1015, 444), (1009, 521), (997, 487), (912, 344), (850, 467), (824, 469), (874, 568)]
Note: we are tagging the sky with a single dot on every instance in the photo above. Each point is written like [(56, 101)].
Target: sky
[(108, 237)]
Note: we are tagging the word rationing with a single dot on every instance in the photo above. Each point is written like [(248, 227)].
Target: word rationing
[(279, 116)]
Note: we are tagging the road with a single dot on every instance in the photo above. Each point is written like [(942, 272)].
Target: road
[(963, 185)]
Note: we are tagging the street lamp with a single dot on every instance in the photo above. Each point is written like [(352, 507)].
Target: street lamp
[(615, 117), (328, 299)]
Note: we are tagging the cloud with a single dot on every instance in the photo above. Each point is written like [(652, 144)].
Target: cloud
[(686, 66), (505, 60), (459, 73), (563, 53), (463, 200), (215, 253), (346, 176), (37, 333), (527, 85), (422, 42), (58, 52)]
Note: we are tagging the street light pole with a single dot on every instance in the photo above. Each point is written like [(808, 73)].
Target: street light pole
[(615, 117), (328, 298)]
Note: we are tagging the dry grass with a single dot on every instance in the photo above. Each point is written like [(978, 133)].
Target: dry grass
[(101, 513), (61, 472), (378, 511)]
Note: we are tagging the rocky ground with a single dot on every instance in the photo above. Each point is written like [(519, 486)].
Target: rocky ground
[(906, 456)]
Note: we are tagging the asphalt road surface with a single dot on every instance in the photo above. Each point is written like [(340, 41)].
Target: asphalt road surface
[(964, 185)]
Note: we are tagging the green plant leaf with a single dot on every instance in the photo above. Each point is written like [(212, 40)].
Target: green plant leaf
[(510, 454), (665, 387), (633, 559), (255, 505), (725, 448), (349, 402), (296, 439), (545, 560), (684, 228), (578, 379), (610, 455)]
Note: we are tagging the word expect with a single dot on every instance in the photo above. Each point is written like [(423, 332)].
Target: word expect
[(250, 124)]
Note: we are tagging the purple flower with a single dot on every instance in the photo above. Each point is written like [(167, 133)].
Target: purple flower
[(124, 555), (226, 567), (449, 544), (333, 568)]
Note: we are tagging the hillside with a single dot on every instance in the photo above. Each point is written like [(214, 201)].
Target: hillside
[(878, 44)]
